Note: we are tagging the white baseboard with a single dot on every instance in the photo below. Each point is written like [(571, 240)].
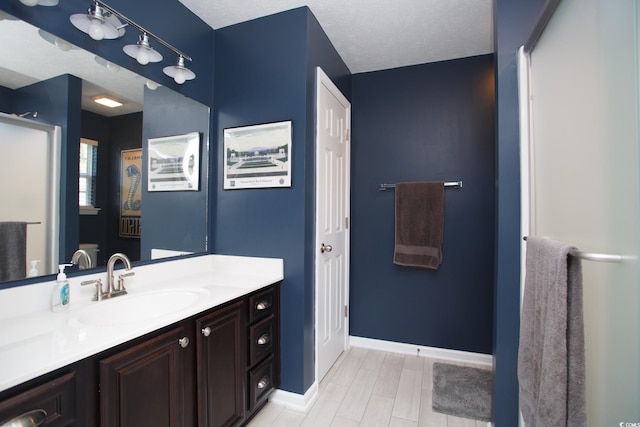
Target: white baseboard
[(434, 352), (295, 401)]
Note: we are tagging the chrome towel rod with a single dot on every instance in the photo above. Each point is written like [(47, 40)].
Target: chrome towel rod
[(590, 256), (454, 184)]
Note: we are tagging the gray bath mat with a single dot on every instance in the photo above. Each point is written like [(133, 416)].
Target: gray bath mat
[(462, 391)]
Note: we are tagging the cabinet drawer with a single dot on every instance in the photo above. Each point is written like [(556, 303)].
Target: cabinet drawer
[(56, 398), (261, 305), (261, 338), (261, 380)]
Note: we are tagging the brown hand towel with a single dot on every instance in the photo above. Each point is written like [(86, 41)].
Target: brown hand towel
[(419, 224), (551, 363)]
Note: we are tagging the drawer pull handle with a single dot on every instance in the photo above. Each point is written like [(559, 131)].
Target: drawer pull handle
[(263, 305), (264, 339), (31, 418), (263, 383), (206, 331), (184, 342)]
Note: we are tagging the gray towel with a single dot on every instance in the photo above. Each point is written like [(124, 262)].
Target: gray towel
[(551, 365), (13, 250), (419, 224)]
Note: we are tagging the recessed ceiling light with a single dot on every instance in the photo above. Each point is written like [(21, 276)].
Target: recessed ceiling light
[(107, 102)]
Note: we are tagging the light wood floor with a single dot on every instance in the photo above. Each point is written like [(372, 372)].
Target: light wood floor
[(370, 388)]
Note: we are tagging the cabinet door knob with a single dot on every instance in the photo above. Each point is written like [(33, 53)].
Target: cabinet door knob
[(264, 382), (264, 339), (263, 305), (184, 342), (206, 331)]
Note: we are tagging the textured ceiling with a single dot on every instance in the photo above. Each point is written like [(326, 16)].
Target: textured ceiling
[(374, 35)]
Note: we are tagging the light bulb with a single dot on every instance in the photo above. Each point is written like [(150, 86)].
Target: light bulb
[(152, 85), (30, 3), (143, 56), (95, 29), (179, 77)]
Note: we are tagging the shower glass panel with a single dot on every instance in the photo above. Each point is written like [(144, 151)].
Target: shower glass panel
[(28, 181), (584, 117)]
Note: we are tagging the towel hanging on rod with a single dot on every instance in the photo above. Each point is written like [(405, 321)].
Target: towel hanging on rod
[(454, 184), (590, 256)]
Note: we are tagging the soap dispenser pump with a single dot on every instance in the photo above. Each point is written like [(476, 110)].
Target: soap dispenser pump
[(60, 296), (34, 268)]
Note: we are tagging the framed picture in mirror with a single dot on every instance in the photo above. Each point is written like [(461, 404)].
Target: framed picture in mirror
[(174, 163), (258, 156), (130, 192)]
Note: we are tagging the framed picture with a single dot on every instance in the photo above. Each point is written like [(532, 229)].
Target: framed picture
[(258, 156), (174, 163), (130, 192)]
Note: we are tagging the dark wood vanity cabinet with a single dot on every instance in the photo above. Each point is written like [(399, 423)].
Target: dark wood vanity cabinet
[(214, 369), (220, 366), (263, 333), (145, 385), (56, 396)]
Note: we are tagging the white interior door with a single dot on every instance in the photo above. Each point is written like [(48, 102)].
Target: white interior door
[(333, 113)]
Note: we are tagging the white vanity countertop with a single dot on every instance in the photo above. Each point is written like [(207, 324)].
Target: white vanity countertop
[(34, 340)]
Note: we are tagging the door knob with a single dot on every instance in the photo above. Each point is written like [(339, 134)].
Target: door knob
[(206, 331), (184, 342), (326, 248)]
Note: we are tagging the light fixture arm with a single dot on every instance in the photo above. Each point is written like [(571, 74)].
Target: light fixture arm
[(140, 28)]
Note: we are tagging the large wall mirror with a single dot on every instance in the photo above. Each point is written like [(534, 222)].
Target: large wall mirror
[(47, 83)]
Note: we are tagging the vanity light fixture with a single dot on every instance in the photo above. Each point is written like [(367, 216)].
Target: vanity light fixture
[(32, 3), (142, 51), (107, 102), (179, 72), (99, 22)]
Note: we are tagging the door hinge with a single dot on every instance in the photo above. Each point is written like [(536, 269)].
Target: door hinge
[(346, 311), (346, 222), (348, 134)]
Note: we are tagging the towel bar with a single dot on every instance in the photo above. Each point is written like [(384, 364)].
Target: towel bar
[(454, 184), (591, 256)]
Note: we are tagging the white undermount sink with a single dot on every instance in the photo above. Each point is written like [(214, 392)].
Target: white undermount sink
[(139, 307)]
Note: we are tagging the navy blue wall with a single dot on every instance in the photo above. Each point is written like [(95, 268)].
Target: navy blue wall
[(431, 122), (264, 73), (57, 101), (179, 217), (513, 21)]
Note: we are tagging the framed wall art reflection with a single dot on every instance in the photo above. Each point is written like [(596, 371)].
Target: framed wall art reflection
[(174, 163), (130, 192), (258, 156)]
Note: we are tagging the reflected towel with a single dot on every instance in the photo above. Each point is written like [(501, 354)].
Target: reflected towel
[(419, 224), (551, 365), (13, 250)]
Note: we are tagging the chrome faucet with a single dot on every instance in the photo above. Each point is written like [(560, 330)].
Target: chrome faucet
[(81, 254), (113, 290)]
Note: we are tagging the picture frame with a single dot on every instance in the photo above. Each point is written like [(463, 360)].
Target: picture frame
[(130, 193), (258, 156), (174, 163)]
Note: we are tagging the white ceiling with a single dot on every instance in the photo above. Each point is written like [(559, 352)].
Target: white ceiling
[(374, 35), (369, 35)]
